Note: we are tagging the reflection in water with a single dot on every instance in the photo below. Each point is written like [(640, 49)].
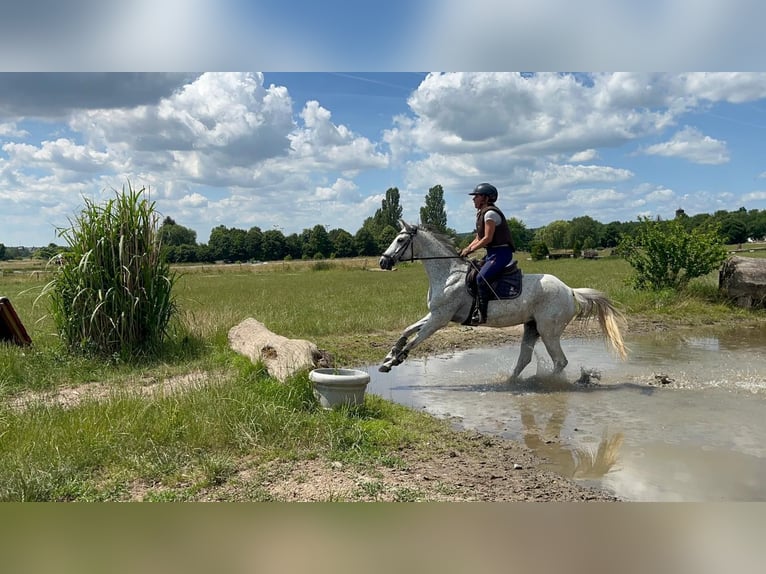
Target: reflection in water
[(697, 434), (577, 462)]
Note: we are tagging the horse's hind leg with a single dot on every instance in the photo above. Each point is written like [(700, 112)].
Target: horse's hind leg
[(526, 348), (552, 342)]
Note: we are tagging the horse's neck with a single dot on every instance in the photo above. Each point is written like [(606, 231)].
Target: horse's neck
[(439, 269)]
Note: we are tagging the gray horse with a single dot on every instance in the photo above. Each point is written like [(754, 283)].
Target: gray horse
[(545, 307)]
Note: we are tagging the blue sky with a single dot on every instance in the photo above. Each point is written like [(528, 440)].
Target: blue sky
[(292, 150), (310, 140)]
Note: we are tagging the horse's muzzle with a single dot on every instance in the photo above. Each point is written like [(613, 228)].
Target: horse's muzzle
[(386, 263)]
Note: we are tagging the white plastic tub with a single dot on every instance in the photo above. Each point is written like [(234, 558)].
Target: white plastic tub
[(336, 387)]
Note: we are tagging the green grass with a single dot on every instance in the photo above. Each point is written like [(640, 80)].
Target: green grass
[(105, 449), (174, 448)]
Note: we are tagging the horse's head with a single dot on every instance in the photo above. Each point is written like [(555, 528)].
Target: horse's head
[(398, 246)]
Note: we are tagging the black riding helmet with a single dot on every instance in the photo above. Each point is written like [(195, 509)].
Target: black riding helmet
[(486, 189)]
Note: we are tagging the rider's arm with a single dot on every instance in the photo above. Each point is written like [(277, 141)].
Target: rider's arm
[(476, 244)]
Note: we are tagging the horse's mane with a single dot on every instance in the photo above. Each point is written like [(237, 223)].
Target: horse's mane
[(444, 239)]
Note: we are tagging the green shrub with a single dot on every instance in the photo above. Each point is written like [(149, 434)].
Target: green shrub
[(113, 294), (665, 255), (539, 251)]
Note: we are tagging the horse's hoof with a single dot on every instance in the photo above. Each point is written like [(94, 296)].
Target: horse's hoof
[(384, 368)]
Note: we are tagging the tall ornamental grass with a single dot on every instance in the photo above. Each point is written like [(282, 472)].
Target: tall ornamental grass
[(112, 295)]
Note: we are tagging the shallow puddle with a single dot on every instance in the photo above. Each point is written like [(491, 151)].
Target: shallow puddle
[(681, 420)]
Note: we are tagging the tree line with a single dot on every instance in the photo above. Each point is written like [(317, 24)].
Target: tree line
[(582, 233), (255, 244), (376, 233)]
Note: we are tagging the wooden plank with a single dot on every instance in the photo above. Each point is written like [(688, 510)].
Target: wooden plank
[(11, 327)]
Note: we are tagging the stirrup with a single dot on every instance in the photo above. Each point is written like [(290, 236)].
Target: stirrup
[(477, 319)]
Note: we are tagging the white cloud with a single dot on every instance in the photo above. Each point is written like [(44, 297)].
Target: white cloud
[(594, 196), (660, 194), (691, 144), (193, 200), (583, 156), (9, 130), (322, 144), (341, 190), (754, 196)]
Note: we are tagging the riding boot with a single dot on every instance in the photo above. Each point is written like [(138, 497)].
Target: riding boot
[(480, 312)]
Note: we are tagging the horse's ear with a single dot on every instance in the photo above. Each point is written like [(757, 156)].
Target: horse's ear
[(406, 226)]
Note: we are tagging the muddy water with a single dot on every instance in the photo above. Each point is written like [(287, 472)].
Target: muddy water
[(684, 419)]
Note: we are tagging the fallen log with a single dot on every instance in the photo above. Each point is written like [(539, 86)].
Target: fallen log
[(281, 356), (743, 279)]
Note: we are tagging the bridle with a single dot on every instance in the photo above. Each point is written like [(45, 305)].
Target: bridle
[(399, 253)]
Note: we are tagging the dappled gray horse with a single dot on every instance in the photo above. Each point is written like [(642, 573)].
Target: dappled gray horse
[(545, 307)]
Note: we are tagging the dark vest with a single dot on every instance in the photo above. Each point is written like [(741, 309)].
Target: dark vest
[(502, 234)]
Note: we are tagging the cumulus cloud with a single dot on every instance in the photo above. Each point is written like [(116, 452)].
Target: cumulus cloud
[(341, 190), (691, 144), (321, 143), (9, 130), (583, 156), (755, 196)]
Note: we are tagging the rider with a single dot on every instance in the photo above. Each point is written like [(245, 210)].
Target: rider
[(492, 232)]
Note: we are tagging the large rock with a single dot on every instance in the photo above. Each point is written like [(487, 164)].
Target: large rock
[(743, 279), (281, 356)]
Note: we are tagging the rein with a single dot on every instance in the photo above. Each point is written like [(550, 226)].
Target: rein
[(412, 252)]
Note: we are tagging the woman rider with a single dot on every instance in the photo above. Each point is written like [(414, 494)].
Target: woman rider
[(493, 233)]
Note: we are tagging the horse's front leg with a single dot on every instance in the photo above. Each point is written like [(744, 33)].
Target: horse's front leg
[(423, 329), (397, 354)]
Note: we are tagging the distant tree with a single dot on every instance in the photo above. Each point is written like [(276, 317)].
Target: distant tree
[(582, 228), (2, 252), (220, 242), (342, 243), (390, 211), (294, 246), (554, 235), (238, 244), (612, 234), (365, 243), (181, 253), (253, 242), (433, 213), (539, 250), (204, 254), (273, 245), (520, 234), (734, 230), (173, 234), (664, 254), (48, 252), (757, 225), (316, 241)]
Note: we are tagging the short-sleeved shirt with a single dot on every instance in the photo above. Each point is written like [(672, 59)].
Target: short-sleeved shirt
[(492, 215)]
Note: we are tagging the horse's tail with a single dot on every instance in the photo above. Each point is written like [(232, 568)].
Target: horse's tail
[(592, 302)]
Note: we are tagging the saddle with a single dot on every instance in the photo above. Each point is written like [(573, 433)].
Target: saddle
[(505, 285)]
